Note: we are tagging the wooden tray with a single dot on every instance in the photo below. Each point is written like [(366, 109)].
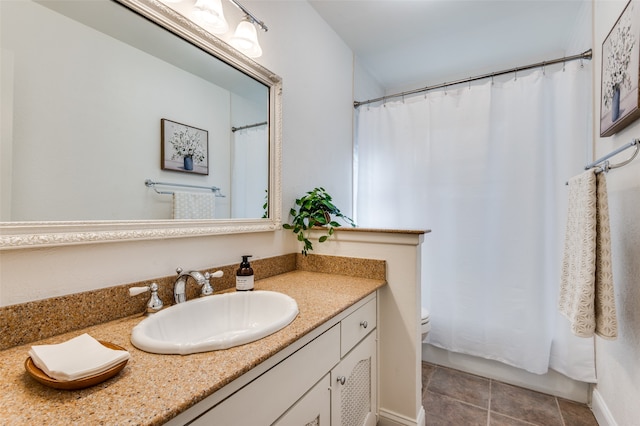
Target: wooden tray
[(85, 382)]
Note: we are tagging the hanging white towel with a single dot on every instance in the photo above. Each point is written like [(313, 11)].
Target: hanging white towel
[(586, 287), (192, 205)]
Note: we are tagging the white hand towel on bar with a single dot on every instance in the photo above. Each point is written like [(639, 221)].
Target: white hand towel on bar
[(586, 286), (193, 205), (77, 358)]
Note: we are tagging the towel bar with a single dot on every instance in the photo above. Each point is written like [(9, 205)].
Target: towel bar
[(604, 159), (152, 184), (603, 162)]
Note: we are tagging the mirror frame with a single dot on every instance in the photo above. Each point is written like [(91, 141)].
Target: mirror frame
[(17, 235)]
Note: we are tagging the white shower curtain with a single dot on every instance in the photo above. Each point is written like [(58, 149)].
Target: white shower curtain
[(484, 167), (249, 172)]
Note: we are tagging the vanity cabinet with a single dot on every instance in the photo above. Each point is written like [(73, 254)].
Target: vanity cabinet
[(329, 380)]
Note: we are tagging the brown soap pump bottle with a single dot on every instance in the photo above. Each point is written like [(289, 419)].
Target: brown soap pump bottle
[(244, 275)]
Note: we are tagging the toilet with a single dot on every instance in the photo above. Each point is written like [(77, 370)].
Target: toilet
[(425, 324)]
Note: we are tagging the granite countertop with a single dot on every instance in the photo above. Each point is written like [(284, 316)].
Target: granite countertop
[(152, 388)]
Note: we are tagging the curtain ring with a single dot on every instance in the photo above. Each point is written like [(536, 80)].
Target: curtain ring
[(492, 79)]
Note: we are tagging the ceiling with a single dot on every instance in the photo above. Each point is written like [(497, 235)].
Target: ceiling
[(407, 44)]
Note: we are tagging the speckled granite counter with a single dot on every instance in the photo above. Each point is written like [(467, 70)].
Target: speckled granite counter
[(154, 388)]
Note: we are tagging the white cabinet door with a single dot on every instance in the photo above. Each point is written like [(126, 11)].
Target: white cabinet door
[(353, 385), (313, 409)]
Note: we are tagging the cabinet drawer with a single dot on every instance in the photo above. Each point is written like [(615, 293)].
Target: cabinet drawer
[(357, 325), (266, 398)]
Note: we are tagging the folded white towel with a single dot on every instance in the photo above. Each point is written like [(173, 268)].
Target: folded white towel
[(75, 359)]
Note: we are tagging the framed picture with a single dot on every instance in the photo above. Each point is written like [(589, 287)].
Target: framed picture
[(183, 148), (619, 103)]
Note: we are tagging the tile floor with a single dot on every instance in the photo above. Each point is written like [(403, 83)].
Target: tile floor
[(454, 398)]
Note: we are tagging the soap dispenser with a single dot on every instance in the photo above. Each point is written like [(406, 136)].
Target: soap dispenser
[(244, 275)]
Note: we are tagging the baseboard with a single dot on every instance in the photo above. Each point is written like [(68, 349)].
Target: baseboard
[(552, 383), (601, 411), (422, 417), (389, 418)]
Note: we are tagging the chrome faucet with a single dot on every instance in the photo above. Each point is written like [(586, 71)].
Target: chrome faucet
[(180, 286)]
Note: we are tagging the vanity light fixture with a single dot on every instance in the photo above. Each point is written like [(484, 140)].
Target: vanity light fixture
[(245, 38), (210, 13)]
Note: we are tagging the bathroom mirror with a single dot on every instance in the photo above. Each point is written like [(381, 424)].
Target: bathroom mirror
[(85, 88)]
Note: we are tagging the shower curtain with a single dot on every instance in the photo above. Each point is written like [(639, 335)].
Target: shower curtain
[(484, 167), (249, 172)]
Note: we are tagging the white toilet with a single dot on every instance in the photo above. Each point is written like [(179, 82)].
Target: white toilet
[(425, 324)]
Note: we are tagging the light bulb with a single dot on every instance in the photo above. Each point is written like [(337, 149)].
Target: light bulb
[(245, 39), (209, 13)]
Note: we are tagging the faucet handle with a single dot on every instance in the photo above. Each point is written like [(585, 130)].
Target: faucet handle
[(207, 290), (134, 291), (216, 274), (155, 303)]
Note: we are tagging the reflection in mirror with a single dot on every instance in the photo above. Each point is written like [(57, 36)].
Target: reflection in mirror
[(85, 86)]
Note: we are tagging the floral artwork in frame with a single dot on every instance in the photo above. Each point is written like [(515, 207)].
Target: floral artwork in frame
[(619, 103), (184, 148)]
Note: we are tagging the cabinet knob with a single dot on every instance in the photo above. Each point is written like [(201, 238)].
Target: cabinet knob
[(364, 324), (341, 379)]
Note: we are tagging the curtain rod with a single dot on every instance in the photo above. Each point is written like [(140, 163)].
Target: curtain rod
[(248, 126), (584, 55)]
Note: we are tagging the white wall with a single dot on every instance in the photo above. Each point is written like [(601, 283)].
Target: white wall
[(618, 362), (365, 86), (316, 67)]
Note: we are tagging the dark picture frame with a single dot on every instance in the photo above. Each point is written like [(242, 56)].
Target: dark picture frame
[(183, 148), (620, 97)]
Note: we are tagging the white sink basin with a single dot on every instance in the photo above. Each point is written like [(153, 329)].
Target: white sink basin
[(214, 322)]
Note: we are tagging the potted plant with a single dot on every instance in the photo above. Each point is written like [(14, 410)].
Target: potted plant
[(314, 209)]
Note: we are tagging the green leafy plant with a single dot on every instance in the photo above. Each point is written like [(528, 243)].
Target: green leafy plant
[(265, 206), (314, 209)]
